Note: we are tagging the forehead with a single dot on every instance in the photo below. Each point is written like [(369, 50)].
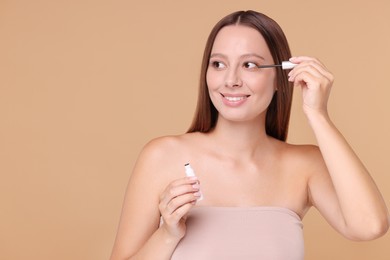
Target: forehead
[(239, 39)]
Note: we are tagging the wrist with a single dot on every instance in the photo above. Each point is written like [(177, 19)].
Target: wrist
[(317, 117), (168, 237)]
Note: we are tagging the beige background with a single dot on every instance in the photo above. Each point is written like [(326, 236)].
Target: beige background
[(84, 84)]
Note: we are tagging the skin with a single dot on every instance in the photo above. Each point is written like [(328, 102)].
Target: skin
[(238, 165)]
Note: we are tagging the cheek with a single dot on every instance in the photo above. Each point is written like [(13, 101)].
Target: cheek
[(262, 84), (213, 84), (213, 80)]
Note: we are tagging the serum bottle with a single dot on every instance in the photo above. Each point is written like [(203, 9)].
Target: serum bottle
[(191, 173)]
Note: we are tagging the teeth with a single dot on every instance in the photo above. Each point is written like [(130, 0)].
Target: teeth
[(234, 99)]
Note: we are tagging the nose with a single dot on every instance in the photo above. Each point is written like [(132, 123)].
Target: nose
[(233, 78)]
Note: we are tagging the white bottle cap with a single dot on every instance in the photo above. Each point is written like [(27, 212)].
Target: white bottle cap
[(286, 65)]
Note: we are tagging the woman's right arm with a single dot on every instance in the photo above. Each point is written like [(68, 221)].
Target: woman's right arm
[(140, 235)]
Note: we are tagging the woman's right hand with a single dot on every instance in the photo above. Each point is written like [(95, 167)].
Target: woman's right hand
[(175, 202)]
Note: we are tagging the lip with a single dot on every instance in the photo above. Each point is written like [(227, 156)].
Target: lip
[(234, 100)]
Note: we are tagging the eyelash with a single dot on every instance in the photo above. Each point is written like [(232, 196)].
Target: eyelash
[(215, 64), (250, 62)]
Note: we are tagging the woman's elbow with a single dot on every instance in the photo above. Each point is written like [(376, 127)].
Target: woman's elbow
[(372, 230), (381, 227)]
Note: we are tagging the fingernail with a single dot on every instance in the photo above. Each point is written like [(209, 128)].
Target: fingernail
[(197, 194), (196, 186)]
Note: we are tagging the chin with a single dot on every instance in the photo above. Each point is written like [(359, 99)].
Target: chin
[(240, 117)]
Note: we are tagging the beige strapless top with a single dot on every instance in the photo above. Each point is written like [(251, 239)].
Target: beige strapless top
[(224, 233)]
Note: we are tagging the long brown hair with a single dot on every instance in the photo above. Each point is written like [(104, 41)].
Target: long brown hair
[(278, 112)]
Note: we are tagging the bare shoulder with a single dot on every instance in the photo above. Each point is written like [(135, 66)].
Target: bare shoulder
[(307, 158), (163, 158), (166, 147), (304, 151)]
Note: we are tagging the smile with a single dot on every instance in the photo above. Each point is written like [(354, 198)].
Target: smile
[(234, 98)]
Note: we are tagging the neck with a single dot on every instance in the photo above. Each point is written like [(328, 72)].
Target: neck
[(241, 139)]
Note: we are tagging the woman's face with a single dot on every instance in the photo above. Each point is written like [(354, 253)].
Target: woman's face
[(238, 89)]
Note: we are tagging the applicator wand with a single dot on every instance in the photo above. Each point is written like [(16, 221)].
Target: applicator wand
[(286, 65)]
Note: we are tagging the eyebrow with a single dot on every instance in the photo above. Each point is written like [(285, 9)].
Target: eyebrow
[(242, 56)]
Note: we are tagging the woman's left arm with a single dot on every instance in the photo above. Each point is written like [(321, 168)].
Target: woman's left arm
[(346, 194)]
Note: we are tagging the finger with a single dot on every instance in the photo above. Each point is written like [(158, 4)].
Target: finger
[(312, 65), (305, 79), (305, 68), (179, 214), (310, 61), (179, 182), (177, 188), (184, 180), (180, 201), (178, 208), (301, 59)]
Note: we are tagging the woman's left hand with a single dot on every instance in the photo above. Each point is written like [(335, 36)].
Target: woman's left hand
[(315, 81)]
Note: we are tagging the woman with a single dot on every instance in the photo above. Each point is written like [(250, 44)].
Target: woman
[(256, 188)]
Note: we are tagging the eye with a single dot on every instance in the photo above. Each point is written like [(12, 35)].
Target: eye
[(250, 65), (217, 64)]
